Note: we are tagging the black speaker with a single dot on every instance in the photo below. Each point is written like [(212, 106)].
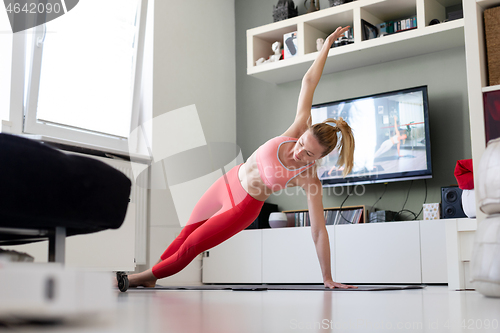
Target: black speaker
[(451, 203), (262, 221)]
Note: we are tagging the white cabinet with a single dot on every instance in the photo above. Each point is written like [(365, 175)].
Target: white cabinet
[(394, 252), (433, 251), (378, 253), (459, 242), (424, 39), (237, 260), (289, 256)]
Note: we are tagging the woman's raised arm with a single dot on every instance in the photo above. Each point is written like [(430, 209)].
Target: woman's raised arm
[(309, 83)]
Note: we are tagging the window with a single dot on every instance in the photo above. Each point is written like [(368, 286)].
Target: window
[(81, 70)]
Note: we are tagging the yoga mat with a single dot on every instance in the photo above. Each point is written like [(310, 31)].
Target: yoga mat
[(264, 287)]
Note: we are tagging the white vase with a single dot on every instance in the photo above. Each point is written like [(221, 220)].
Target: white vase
[(485, 260), (469, 203), (278, 220)]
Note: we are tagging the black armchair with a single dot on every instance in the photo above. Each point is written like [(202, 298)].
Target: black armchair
[(46, 193)]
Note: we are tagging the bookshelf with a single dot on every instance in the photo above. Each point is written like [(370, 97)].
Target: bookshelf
[(333, 215), (421, 40), (477, 77)]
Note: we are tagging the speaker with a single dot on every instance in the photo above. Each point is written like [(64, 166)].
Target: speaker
[(262, 221), (451, 203)]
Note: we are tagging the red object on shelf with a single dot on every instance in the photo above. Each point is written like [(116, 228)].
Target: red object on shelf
[(464, 174)]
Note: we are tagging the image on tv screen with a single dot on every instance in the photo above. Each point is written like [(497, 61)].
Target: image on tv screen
[(391, 137)]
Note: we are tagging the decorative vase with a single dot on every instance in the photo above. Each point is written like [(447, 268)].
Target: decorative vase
[(338, 2), (313, 6), (485, 260), (278, 220), (285, 9)]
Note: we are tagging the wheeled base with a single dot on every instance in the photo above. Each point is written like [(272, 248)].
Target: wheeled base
[(122, 279)]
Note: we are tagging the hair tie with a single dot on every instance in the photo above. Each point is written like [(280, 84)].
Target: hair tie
[(341, 121)]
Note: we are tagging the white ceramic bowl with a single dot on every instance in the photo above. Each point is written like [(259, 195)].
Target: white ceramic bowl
[(278, 220)]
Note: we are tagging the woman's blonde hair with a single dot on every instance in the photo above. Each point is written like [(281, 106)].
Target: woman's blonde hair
[(327, 136)]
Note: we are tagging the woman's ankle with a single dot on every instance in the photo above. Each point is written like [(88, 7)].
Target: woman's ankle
[(143, 279)]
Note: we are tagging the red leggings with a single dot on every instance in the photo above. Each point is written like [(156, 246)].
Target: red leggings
[(223, 211)]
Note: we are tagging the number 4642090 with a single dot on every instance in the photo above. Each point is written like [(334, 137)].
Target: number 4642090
[(33, 8)]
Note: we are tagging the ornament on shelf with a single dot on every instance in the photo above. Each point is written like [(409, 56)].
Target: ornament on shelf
[(313, 6), (276, 47), (319, 43), (338, 2), (285, 9)]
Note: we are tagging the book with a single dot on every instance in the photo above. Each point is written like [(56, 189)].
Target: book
[(332, 216)]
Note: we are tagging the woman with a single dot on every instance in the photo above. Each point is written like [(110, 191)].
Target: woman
[(234, 201), (387, 144)]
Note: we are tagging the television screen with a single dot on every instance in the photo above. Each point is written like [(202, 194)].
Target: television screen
[(391, 133)]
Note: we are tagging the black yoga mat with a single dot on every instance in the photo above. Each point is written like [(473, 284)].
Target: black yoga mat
[(264, 287)]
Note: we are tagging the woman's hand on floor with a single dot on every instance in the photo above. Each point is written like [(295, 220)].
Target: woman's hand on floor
[(333, 285)]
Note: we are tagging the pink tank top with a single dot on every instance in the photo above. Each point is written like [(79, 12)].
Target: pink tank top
[(274, 174)]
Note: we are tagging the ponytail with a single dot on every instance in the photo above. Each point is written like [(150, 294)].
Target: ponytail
[(328, 135)]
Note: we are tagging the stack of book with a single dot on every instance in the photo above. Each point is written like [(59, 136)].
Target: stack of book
[(300, 219), (390, 27), (332, 217), (335, 217)]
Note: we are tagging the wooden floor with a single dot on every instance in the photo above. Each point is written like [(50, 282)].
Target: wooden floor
[(433, 309)]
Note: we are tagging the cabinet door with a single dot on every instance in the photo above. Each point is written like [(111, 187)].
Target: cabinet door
[(433, 247), (289, 256), (237, 260), (378, 253)]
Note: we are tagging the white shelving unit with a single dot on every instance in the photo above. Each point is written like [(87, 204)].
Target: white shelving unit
[(430, 257), (459, 244), (394, 252), (422, 40), (477, 76)]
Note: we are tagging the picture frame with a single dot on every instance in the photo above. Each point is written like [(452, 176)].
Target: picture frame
[(369, 31)]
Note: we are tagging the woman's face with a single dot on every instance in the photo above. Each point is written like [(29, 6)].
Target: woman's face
[(307, 148)]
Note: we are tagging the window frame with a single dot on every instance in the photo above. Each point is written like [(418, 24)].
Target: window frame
[(47, 131)]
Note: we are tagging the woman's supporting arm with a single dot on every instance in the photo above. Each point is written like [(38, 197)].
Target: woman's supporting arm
[(319, 233)]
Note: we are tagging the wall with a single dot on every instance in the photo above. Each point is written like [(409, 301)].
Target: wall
[(193, 64), (265, 110)]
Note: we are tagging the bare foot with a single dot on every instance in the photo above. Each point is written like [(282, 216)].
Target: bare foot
[(143, 279)]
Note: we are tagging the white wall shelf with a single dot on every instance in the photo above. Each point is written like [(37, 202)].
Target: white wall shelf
[(422, 40), (490, 88)]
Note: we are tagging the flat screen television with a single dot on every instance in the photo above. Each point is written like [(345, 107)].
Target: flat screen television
[(391, 133)]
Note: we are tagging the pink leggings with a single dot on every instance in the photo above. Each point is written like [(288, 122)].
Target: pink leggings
[(224, 210)]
